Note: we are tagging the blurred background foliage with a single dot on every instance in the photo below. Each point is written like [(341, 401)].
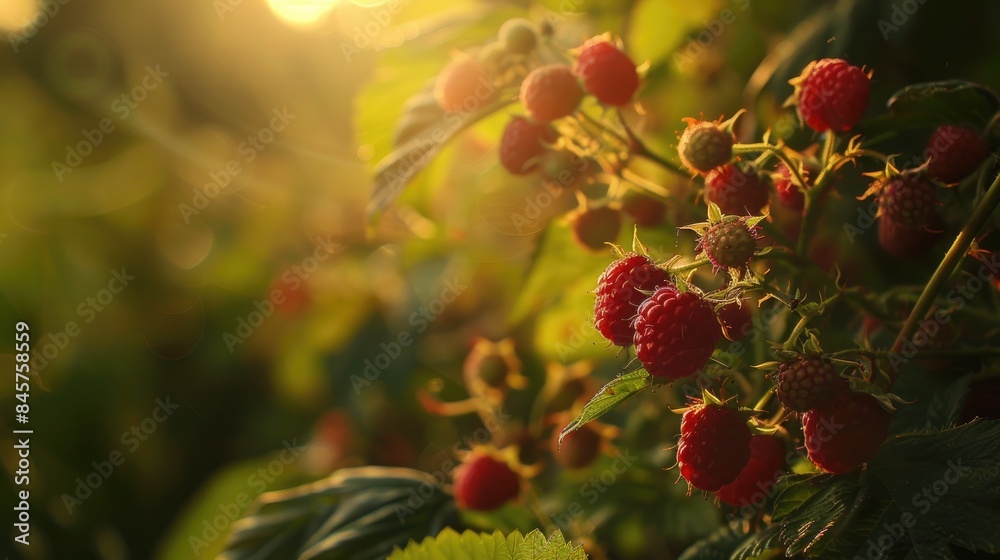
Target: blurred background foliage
[(157, 196)]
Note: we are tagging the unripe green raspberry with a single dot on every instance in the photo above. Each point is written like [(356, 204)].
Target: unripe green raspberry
[(704, 146), (518, 36)]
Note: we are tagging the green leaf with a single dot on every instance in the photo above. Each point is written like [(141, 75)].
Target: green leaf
[(943, 411), (760, 546), (720, 544), (610, 396), (450, 545), (798, 488), (355, 513), (423, 133), (947, 485), (929, 104)]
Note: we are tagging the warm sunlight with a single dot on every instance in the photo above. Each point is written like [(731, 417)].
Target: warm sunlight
[(15, 14), (302, 12)]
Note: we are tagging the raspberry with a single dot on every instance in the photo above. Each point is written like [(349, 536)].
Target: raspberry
[(845, 432), (518, 36), (551, 92), (594, 228), (954, 152), (579, 448), (645, 210), (704, 146), (607, 72), (729, 243), (736, 321), (714, 446), (788, 193), (620, 291), (735, 191), (463, 86), (758, 479), (807, 382), (908, 242), (523, 143), (832, 94), (675, 333), (483, 483), (908, 199)]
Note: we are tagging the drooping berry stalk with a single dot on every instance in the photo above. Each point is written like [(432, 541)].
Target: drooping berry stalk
[(948, 264)]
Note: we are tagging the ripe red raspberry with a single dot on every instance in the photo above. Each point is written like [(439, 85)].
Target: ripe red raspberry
[(675, 333), (594, 228), (953, 152), (908, 199), (807, 382), (714, 446), (620, 290), (551, 92), (704, 146), (735, 191), (758, 479), (909, 242), (607, 72), (463, 86), (579, 448), (483, 483), (518, 36), (832, 94), (523, 143), (788, 193), (736, 320), (730, 243), (845, 432)]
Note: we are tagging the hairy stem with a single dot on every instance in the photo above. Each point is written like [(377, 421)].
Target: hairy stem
[(947, 266)]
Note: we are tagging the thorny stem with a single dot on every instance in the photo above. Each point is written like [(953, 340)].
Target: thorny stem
[(947, 266), (776, 152), (804, 321), (639, 148)]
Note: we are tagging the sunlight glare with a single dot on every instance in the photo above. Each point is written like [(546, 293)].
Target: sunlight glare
[(302, 13), (16, 14)]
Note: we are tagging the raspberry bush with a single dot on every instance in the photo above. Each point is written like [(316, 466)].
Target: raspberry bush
[(748, 304)]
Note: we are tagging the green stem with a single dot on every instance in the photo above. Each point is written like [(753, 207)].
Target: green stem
[(776, 152), (689, 266), (947, 266), (763, 401), (639, 148)]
